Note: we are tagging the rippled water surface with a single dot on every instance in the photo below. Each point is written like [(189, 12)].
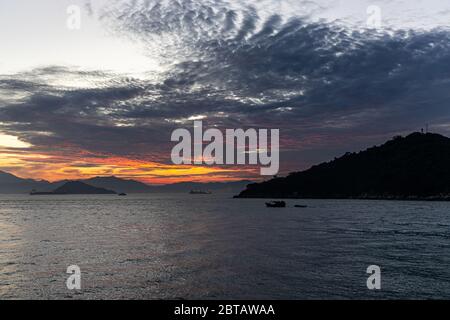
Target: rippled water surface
[(215, 247)]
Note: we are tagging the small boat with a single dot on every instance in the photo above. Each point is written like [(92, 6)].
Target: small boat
[(276, 204), (300, 206), (35, 193), (200, 192), (122, 194)]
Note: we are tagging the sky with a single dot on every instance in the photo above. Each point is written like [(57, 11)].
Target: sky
[(103, 99)]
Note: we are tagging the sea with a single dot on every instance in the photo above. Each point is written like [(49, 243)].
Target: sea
[(181, 246)]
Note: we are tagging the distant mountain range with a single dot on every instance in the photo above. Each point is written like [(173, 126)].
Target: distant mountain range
[(416, 167), (10, 184)]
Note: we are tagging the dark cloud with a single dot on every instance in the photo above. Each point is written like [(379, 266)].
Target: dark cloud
[(318, 82)]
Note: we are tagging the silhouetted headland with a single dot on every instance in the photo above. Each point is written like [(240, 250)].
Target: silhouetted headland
[(416, 167)]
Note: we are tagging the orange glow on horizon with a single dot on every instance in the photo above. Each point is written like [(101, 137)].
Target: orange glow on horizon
[(55, 166)]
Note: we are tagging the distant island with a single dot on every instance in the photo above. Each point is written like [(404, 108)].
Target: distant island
[(73, 188), (416, 167)]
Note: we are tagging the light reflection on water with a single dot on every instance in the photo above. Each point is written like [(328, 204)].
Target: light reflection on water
[(10, 243), (212, 247)]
